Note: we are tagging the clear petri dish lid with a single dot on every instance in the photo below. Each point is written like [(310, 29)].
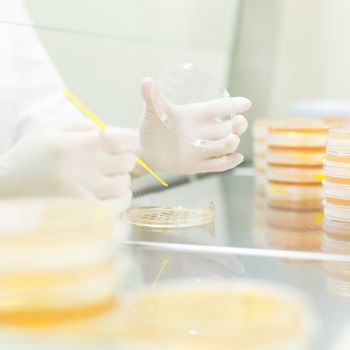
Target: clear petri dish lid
[(176, 95)]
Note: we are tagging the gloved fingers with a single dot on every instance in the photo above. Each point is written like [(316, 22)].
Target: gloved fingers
[(222, 147), (113, 140), (220, 164), (111, 187), (220, 107), (155, 100), (119, 140), (77, 126), (239, 125), (122, 203), (76, 189), (214, 130), (112, 164), (146, 91), (61, 124)]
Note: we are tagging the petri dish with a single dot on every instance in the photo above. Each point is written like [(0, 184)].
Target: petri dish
[(292, 239), (219, 315), (337, 194), (336, 212), (337, 230), (298, 133), (296, 156), (170, 213), (57, 263), (294, 196), (289, 174), (336, 170), (260, 129), (294, 219), (294, 229), (336, 241), (185, 84)]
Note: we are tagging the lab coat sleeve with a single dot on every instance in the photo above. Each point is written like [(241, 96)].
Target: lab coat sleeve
[(38, 88)]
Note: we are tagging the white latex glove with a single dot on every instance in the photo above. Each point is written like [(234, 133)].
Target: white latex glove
[(71, 160), (162, 150)]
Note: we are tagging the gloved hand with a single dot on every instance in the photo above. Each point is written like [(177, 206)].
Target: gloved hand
[(71, 159), (164, 151)]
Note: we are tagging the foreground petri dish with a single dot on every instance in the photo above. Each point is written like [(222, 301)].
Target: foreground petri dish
[(57, 263), (171, 213), (185, 84), (211, 315)]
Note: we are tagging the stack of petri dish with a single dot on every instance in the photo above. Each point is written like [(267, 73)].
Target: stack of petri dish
[(295, 154), (337, 176), (260, 130), (57, 263), (336, 186), (293, 229), (336, 240)]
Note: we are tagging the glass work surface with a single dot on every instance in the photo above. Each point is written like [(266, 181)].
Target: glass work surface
[(323, 304), (324, 283), (243, 217)]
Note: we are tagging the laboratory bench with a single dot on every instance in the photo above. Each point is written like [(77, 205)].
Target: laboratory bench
[(245, 244), (250, 240)]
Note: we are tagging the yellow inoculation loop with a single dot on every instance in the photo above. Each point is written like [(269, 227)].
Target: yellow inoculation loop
[(88, 114), (165, 263)]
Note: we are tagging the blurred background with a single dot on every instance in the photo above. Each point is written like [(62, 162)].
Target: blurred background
[(272, 51)]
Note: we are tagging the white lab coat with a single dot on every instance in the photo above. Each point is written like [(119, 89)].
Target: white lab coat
[(31, 89)]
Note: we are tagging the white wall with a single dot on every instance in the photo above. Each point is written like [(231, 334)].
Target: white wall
[(135, 38), (291, 49), (313, 53)]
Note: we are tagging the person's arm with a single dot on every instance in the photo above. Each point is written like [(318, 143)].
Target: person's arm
[(35, 85)]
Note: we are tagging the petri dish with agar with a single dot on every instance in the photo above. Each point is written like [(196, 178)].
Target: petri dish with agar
[(57, 263), (219, 315), (171, 213), (185, 85)]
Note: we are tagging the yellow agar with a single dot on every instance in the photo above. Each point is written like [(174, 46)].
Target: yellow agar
[(88, 114), (34, 299)]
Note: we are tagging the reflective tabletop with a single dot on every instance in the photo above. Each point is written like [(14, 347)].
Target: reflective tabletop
[(243, 217), (315, 280)]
